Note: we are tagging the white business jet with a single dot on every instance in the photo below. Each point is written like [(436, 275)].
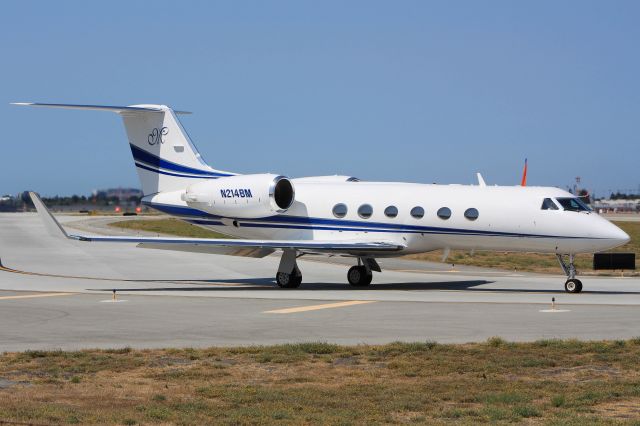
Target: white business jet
[(339, 215)]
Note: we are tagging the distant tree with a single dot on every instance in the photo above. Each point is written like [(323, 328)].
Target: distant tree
[(622, 196)]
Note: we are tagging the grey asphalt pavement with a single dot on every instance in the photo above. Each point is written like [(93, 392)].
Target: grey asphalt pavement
[(57, 294)]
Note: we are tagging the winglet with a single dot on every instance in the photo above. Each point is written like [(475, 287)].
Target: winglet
[(524, 174), (481, 181), (53, 226)]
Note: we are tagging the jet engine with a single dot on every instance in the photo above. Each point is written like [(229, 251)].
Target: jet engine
[(242, 196)]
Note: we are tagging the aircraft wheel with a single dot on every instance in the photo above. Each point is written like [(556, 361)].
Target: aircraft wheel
[(292, 280), (358, 276), (573, 286)]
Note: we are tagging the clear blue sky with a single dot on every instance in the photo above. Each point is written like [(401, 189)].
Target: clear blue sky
[(413, 91)]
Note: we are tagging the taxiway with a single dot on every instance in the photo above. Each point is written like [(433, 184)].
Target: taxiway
[(58, 294)]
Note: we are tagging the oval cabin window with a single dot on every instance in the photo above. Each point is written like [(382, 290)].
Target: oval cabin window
[(444, 213), (471, 214), (391, 211), (365, 211), (417, 212), (340, 210)]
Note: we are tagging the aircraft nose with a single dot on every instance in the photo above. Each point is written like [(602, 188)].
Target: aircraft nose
[(618, 235)]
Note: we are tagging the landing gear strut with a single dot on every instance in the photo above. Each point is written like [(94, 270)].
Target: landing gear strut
[(289, 275), (572, 285)]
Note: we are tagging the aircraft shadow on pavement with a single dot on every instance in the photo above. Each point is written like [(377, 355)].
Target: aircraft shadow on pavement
[(269, 284), (244, 284)]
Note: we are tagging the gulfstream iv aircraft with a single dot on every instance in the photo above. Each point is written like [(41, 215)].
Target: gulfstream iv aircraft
[(339, 215)]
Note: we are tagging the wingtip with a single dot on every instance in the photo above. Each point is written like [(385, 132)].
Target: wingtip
[(51, 224), (21, 103)]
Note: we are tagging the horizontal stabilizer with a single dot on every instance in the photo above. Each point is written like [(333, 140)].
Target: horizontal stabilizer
[(117, 109)]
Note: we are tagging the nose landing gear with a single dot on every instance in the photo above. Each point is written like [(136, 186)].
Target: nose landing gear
[(572, 285)]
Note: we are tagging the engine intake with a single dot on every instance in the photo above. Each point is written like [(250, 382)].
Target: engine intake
[(242, 196), (282, 193)]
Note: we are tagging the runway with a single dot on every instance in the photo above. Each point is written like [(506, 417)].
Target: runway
[(58, 294)]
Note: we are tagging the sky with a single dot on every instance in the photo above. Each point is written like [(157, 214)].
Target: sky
[(414, 91)]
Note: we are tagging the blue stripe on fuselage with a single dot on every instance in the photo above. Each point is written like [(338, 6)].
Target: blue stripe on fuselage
[(311, 223)]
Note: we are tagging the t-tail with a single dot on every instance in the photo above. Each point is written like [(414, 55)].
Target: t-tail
[(164, 155)]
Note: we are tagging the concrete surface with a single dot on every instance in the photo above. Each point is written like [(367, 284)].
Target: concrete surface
[(56, 294)]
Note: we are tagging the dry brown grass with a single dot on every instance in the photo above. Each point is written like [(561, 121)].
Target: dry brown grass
[(567, 382), (169, 226)]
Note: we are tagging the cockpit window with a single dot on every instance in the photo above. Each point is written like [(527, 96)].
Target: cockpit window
[(548, 204), (573, 204)]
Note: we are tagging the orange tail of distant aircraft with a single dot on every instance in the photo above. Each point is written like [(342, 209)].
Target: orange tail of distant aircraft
[(524, 174)]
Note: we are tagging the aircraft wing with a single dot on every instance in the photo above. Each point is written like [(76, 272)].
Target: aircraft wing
[(253, 248)]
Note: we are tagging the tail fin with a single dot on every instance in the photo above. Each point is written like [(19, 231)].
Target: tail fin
[(523, 182), (165, 156)]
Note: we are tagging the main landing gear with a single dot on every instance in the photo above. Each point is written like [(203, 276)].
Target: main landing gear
[(361, 274), (359, 277), (289, 275), (292, 280), (572, 285)]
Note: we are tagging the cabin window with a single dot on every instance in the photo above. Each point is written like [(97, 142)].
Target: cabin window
[(548, 204), (417, 212), (391, 211), (365, 211), (573, 204), (471, 214), (444, 213), (340, 210)]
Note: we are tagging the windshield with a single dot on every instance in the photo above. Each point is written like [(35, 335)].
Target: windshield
[(547, 204), (573, 204)]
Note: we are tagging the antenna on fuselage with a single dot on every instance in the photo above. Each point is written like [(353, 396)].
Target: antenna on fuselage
[(481, 181)]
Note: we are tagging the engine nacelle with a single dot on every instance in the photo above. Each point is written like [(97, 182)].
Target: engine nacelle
[(242, 196)]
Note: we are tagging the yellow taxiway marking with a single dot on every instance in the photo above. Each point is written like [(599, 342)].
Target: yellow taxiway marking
[(318, 307), (29, 296)]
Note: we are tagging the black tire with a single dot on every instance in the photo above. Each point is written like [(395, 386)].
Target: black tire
[(573, 286), (292, 280), (358, 276), (579, 286)]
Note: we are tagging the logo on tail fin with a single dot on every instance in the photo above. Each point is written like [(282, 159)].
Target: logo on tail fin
[(155, 137)]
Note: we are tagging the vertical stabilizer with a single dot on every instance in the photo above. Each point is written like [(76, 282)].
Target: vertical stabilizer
[(165, 156)]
